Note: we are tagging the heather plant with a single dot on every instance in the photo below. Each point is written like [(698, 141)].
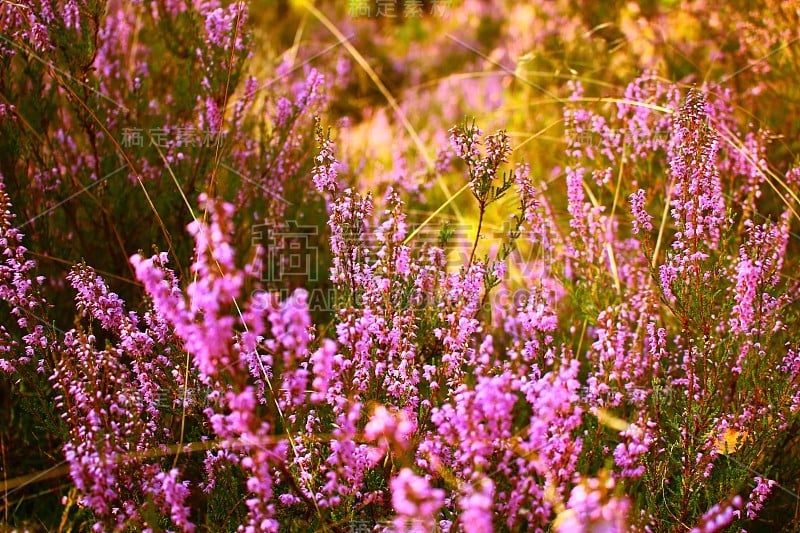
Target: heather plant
[(613, 352)]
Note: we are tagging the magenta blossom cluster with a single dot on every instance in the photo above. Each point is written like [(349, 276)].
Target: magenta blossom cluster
[(643, 377)]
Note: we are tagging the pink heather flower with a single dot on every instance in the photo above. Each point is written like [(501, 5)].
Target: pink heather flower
[(528, 198), (103, 392), (444, 160), (325, 171), (241, 420), (748, 276), (213, 116), (204, 322), (759, 495), (39, 35), (7, 112), (498, 148), (500, 270), (220, 24), (791, 366), (698, 206), (170, 495), (556, 414), (323, 361), (311, 92), (382, 424), (641, 218), (19, 289), (478, 421), (629, 454), (719, 516), (466, 143), (394, 428), (667, 276), (348, 462), (576, 199), (218, 27), (760, 260), (476, 506), (290, 327), (72, 17), (591, 509), (414, 501)]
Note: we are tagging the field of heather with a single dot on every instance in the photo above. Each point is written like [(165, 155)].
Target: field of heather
[(400, 266)]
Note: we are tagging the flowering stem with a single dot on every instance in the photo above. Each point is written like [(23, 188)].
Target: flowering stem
[(477, 235)]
